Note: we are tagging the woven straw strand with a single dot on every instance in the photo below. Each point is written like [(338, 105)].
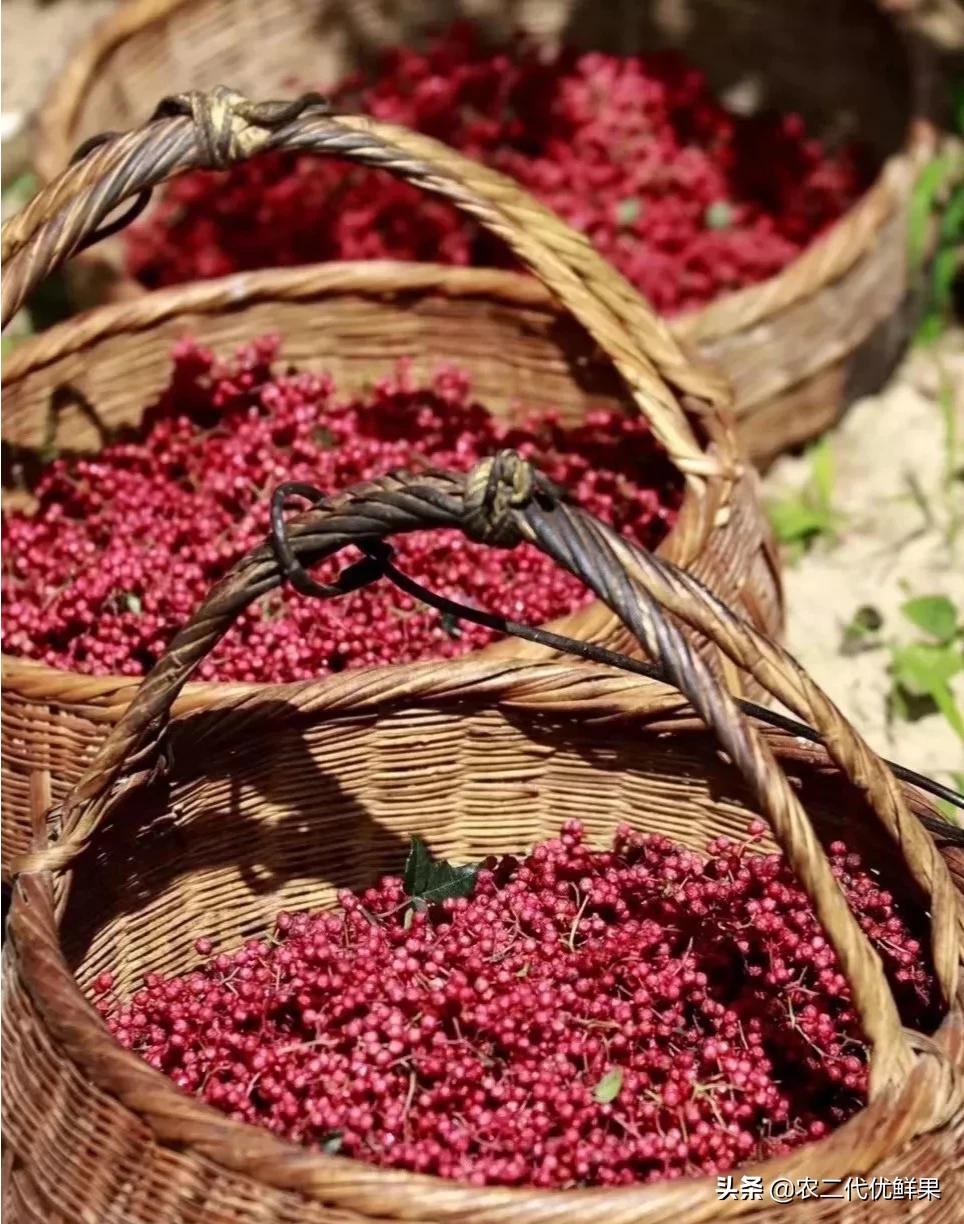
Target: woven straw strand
[(401, 503), (63, 215)]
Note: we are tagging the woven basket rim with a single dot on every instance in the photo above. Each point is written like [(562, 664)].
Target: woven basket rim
[(826, 259), (284, 1165), (375, 278)]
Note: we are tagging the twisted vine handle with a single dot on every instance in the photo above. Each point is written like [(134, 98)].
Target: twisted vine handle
[(221, 128), (504, 501)]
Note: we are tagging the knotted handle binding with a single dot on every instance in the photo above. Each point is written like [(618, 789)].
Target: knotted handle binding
[(503, 501), (220, 129)]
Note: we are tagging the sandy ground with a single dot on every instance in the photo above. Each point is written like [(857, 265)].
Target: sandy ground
[(892, 544), (36, 39), (889, 545)]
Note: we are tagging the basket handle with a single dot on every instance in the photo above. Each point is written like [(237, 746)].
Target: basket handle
[(502, 502), (221, 128)]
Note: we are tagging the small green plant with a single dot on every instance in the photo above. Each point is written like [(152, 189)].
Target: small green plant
[(936, 229), (953, 477), (800, 520), (922, 669)]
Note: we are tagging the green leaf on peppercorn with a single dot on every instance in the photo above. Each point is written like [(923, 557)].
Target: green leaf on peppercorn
[(451, 625), (718, 216), (428, 880), (609, 1086), (628, 211)]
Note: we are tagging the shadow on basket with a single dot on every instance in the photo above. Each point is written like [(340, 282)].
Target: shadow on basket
[(187, 836), (575, 339)]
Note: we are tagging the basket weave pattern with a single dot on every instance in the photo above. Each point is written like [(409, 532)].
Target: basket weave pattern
[(795, 348), (279, 798), (580, 340)]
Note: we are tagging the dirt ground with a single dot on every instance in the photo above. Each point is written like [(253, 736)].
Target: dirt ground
[(36, 39), (897, 508), (890, 489)]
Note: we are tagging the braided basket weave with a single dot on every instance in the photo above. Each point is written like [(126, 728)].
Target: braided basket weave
[(277, 799), (604, 348), (796, 348)]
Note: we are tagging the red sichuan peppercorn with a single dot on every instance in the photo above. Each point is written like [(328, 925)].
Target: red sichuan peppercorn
[(123, 546), (687, 200), (583, 1017)]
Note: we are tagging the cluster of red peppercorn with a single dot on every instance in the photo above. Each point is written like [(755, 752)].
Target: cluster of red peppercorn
[(123, 546), (581, 1017), (686, 199)]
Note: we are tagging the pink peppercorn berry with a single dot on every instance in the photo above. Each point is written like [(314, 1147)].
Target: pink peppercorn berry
[(585, 1018), (687, 200), (123, 546)]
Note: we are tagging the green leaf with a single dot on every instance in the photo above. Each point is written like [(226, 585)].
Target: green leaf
[(451, 625), (930, 328), (920, 667), (628, 211), (609, 1086), (921, 674), (448, 881), (418, 866), (947, 407), (133, 603), (801, 518), (921, 207), (794, 520), (332, 1144), (718, 215), (944, 700), (946, 264), (902, 705), (822, 472), (952, 222), (935, 614), (428, 881)]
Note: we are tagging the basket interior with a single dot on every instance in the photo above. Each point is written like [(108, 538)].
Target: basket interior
[(520, 357), (279, 809), (836, 61), (839, 63)]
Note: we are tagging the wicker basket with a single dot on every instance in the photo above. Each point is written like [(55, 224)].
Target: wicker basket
[(277, 799), (796, 348), (355, 320)]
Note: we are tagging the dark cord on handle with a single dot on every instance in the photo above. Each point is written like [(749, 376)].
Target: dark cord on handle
[(379, 563)]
